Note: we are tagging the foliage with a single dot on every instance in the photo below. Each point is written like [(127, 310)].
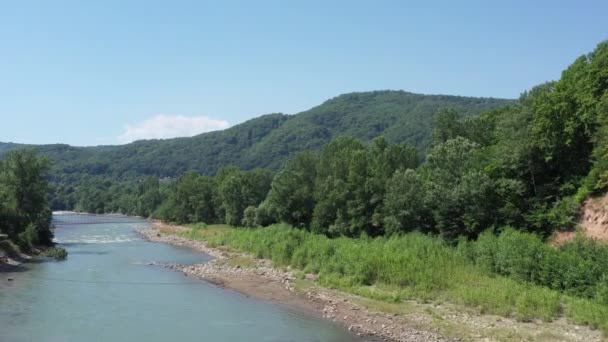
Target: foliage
[(421, 267), (9, 248), (405, 210), (249, 217), (241, 189), (292, 190), (264, 142), (56, 253), (351, 182), (528, 165), (578, 268), (24, 213)]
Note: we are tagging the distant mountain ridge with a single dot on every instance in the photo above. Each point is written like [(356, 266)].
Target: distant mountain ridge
[(266, 141)]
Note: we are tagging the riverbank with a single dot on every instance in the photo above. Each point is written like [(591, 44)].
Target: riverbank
[(407, 321), (257, 278), (9, 265), (11, 259)]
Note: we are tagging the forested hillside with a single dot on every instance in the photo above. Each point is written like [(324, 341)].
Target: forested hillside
[(268, 140), (399, 116)]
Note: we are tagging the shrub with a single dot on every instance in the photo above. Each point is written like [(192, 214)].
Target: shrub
[(264, 215), (576, 268), (9, 248), (601, 292), (28, 238), (497, 274), (249, 217), (55, 252)]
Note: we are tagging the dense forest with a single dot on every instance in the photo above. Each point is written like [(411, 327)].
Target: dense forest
[(25, 215), (264, 142)]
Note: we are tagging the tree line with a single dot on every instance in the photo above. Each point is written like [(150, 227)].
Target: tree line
[(25, 217)]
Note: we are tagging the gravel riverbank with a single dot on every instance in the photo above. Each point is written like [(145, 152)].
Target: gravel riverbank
[(376, 321), (260, 280)]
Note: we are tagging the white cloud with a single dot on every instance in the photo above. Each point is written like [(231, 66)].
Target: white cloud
[(170, 126)]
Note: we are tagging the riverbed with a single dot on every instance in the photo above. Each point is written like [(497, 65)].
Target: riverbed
[(113, 287)]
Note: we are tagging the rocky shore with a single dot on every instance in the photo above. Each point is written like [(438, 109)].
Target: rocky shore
[(10, 264), (260, 280)]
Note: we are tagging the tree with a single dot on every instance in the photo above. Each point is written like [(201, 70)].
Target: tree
[(460, 198), (291, 195), (241, 189), (148, 196), (404, 202), (249, 215), (25, 214), (446, 126), (331, 186), (384, 161), (449, 161), (193, 199)]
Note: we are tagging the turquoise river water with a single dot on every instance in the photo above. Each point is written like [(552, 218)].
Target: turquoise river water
[(107, 291)]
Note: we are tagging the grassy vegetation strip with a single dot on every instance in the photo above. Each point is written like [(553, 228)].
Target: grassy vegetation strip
[(412, 266)]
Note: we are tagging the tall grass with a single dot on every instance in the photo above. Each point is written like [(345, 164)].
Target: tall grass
[(413, 266)]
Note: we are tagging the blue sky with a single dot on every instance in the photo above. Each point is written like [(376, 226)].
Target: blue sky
[(107, 72)]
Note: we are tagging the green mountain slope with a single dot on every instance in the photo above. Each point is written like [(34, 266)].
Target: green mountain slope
[(399, 116), (268, 140)]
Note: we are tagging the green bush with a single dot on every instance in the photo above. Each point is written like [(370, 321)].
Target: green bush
[(249, 216), (601, 292), (576, 268), (55, 252), (11, 249), (29, 237)]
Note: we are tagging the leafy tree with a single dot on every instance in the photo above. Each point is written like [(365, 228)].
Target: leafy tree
[(447, 126), (384, 161), (332, 184), (24, 212), (265, 214), (249, 219), (461, 199), (241, 189), (292, 190), (404, 203), (148, 196), (192, 200)]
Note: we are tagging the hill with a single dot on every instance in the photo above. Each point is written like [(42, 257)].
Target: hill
[(267, 141)]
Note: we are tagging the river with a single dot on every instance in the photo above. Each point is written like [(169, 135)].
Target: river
[(110, 290)]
